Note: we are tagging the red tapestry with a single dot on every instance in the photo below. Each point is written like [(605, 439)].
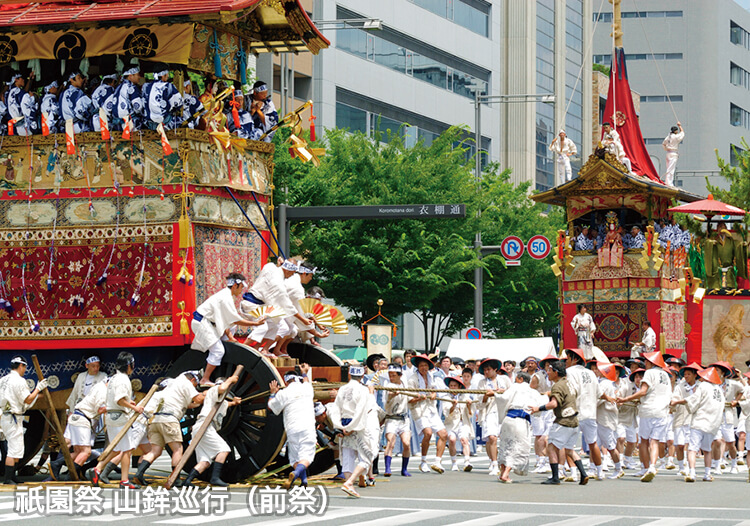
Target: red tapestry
[(617, 324), (75, 306)]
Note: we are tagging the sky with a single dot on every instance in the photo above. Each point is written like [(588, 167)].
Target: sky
[(744, 3)]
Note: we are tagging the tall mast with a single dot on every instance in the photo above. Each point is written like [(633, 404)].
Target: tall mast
[(617, 19)]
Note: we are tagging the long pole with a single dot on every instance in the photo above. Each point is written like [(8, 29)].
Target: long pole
[(478, 272), (56, 423)]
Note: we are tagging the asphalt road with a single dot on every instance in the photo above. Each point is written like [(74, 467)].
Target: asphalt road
[(459, 498)]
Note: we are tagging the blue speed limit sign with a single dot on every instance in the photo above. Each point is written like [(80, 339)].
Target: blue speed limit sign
[(539, 247)]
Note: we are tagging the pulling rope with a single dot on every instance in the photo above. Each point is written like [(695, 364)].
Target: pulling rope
[(669, 99), (272, 251)]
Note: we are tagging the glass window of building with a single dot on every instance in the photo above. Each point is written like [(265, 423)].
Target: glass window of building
[(474, 15)]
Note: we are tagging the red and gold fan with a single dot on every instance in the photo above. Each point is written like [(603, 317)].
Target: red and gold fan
[(338, 322), (265, 311), (320, 311)]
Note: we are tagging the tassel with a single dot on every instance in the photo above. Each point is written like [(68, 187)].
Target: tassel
[(217, 56), (70, 137), (184, 328), (165, 146), (312, 124), (103, 124), (49, 284), (102, 279), (242, 56), (126, 128), (45, 125)]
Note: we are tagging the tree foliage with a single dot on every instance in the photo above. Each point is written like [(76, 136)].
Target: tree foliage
[(738, 193), (420, 266)]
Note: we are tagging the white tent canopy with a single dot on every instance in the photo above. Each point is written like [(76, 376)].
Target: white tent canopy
[(510, 349)]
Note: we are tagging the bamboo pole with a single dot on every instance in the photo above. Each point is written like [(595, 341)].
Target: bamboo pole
[(128, 424), (59, 431)]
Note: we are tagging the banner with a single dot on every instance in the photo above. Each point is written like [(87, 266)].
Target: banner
[(379, 340), (165, 43)]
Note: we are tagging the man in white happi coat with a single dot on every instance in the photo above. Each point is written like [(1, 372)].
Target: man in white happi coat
[(397, 421), (350, 413), (627, 415), (457, 419), (725, 438), (611, 141), (495, 381), (83, 424), (424, 411), (86, 381), (706, 408), (584, 327), (655, 395), (671, 145), (15, 399), (214, 320), (683, 388), (585, 387), (292, 324), (647, 343), (607, 414), (540, 422), (269, 288), (212, 447), (297, 403), (164, 428), (120, 406), (564, 149), (514, 410)]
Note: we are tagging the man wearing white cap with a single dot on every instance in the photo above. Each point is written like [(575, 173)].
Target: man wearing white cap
[(164, 428), (263, 110), (15, 399), (75, 105), (51, 106), (86, 381), (99, 99), (564, 149), (296, 402), (350, 413), (128, 101), (214, 319), (163, 101)]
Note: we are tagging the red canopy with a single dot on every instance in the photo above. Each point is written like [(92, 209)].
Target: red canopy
[(708, 207), (625, 121)]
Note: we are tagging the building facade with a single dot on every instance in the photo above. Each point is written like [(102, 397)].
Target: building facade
[(701, 52)]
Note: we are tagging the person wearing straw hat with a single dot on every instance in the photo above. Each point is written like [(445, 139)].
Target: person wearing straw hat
[(397, 421), (564, 149), (680, 416), (584, 385), (563, 435), (706, 408), (627, 415), (297, 402), (671, 144), (655, 394), (457, 417), (15, 399), (349, 413), (514, 442), (164, 428), (607, 414), (495, 381), (725, 439), (427, 420)]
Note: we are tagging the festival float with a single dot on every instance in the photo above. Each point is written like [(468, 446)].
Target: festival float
[(109, 241), (695, 294)]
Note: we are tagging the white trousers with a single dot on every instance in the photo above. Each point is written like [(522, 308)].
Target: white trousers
[(563, 172), (671, 165)]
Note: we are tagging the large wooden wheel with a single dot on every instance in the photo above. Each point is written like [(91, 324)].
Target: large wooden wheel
[(254, 434)]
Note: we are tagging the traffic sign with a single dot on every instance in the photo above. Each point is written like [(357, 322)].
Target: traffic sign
[(512, 247), (473, 334), (513, 262), (539, 247)]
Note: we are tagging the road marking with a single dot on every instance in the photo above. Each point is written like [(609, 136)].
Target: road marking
[(310, 519), (675, 521), (199, 519), (405, 518), (589, 520), (500, 518)]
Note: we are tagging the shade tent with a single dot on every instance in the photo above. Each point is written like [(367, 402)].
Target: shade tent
[(708, 207), (511, 349)]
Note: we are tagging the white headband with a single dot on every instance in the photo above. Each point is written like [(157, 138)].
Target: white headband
[(288, 265), (14, 78), (260, 89), (306, 270), (319, 409), (160, 74), (236, 281), (73, 75), (356, 370), (131, 71), (109, 77), (92, 359), (19, 359), (187, 83)]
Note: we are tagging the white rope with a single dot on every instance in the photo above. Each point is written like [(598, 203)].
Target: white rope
[(643, 28), (583, 63), (612, 71)]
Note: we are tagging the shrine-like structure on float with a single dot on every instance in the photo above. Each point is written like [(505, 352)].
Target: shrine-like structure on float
[(693, 290)]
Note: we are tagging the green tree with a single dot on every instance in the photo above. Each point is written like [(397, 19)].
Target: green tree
[(738, 193)]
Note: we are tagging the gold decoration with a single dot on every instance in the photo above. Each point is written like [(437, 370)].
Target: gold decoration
[(183, 315)]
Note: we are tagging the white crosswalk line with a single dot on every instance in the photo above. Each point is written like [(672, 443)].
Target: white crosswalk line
[(583, 520), (673, 521), (492, 520), (331, 514), (406, 518), (200, 519)]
